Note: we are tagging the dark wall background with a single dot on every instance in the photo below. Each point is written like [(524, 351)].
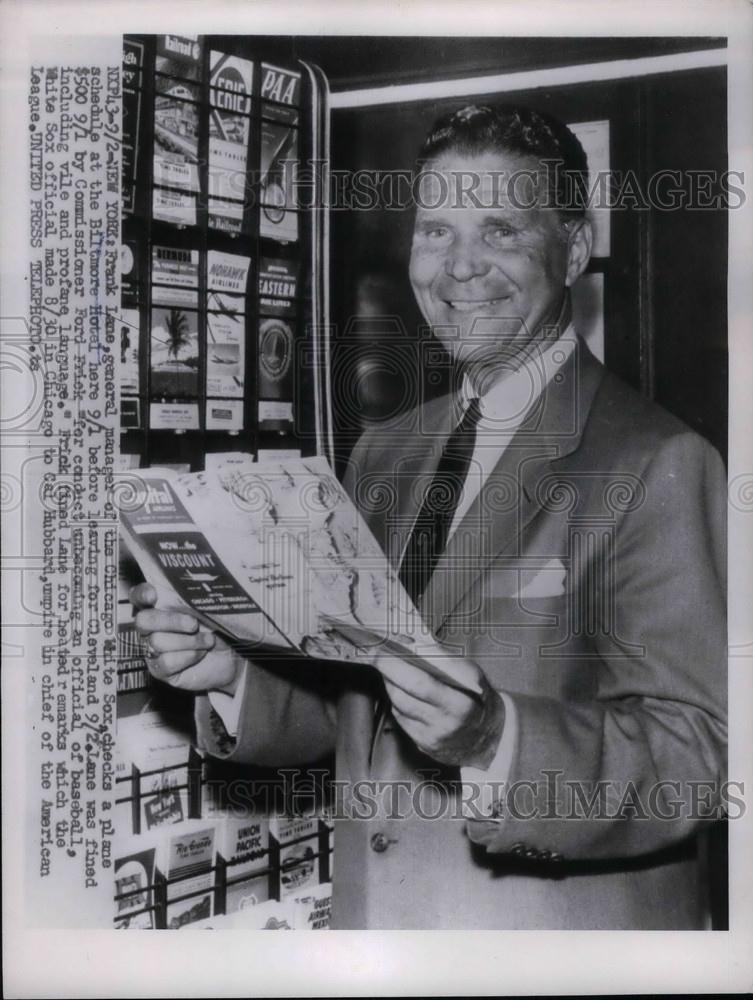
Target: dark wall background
[(685, 126)]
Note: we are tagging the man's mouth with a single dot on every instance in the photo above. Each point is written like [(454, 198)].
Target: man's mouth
[(475, 305)]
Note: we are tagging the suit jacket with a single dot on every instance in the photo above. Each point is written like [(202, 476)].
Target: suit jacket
[(587, 581)]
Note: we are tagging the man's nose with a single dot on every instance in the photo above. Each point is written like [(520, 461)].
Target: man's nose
[(466, 260)]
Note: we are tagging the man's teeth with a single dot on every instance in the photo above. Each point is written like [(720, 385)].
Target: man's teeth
[(472, 306)]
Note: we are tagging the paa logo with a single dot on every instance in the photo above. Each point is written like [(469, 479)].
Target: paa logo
[(277, 85)]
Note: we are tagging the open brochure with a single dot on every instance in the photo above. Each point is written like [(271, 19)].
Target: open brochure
[(275, 556)]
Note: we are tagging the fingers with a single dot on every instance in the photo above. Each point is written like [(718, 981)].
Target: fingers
[(165, 620), (177, 648), (467, 736), (171, 647), (167, 666), (445, 723), (409, 678), (171, 642), (198, 669), (405, 705), (420, 685)]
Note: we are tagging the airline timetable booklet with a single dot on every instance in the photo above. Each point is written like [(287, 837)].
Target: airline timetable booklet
[(275, 556)]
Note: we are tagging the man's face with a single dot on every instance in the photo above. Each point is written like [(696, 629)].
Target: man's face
[(489, 266)]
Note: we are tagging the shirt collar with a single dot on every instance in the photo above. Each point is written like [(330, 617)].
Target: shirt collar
[(510, 397)]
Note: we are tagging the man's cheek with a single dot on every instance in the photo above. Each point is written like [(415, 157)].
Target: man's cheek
[(422, 267), (421, 278)]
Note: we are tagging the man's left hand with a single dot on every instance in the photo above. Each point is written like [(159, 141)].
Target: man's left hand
[(446, 724)]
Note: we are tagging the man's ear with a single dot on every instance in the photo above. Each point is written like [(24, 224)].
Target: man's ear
[(579, 243)]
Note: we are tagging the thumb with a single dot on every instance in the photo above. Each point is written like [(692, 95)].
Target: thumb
[(146, 595), (143, 595)]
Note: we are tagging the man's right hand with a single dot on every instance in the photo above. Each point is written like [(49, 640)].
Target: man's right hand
[(181, 653)]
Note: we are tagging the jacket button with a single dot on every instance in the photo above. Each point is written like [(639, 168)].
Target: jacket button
[(531, 853), (517, 849), (379, 843)]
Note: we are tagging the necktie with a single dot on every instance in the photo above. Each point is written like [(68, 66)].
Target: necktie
[(429, 535)]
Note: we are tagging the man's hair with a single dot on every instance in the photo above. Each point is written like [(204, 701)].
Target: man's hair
[(483, 128)]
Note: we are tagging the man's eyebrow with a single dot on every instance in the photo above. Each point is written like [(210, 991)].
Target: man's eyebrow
[(508, 216), (431, 221)]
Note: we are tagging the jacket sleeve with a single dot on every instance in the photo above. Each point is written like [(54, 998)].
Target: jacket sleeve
[(287, 717), (639, 767)]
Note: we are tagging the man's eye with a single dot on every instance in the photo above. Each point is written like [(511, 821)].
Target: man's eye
[(500, 233), (437, 233)]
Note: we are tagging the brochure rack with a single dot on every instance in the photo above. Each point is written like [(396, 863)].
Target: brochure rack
[(223, 337)]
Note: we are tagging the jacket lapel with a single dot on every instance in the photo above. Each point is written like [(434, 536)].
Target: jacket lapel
[(514, 492)]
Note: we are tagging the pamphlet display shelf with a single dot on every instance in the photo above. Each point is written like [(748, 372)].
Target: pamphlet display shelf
[(223, 302), (153, 899)]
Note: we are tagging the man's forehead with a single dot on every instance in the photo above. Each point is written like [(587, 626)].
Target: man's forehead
[(490, 181)]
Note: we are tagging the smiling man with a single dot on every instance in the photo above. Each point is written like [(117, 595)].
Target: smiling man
[(564, 540), (489, 262)]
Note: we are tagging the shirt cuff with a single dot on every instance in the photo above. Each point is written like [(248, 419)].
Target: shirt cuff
[(483, 786), (228, 706)]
